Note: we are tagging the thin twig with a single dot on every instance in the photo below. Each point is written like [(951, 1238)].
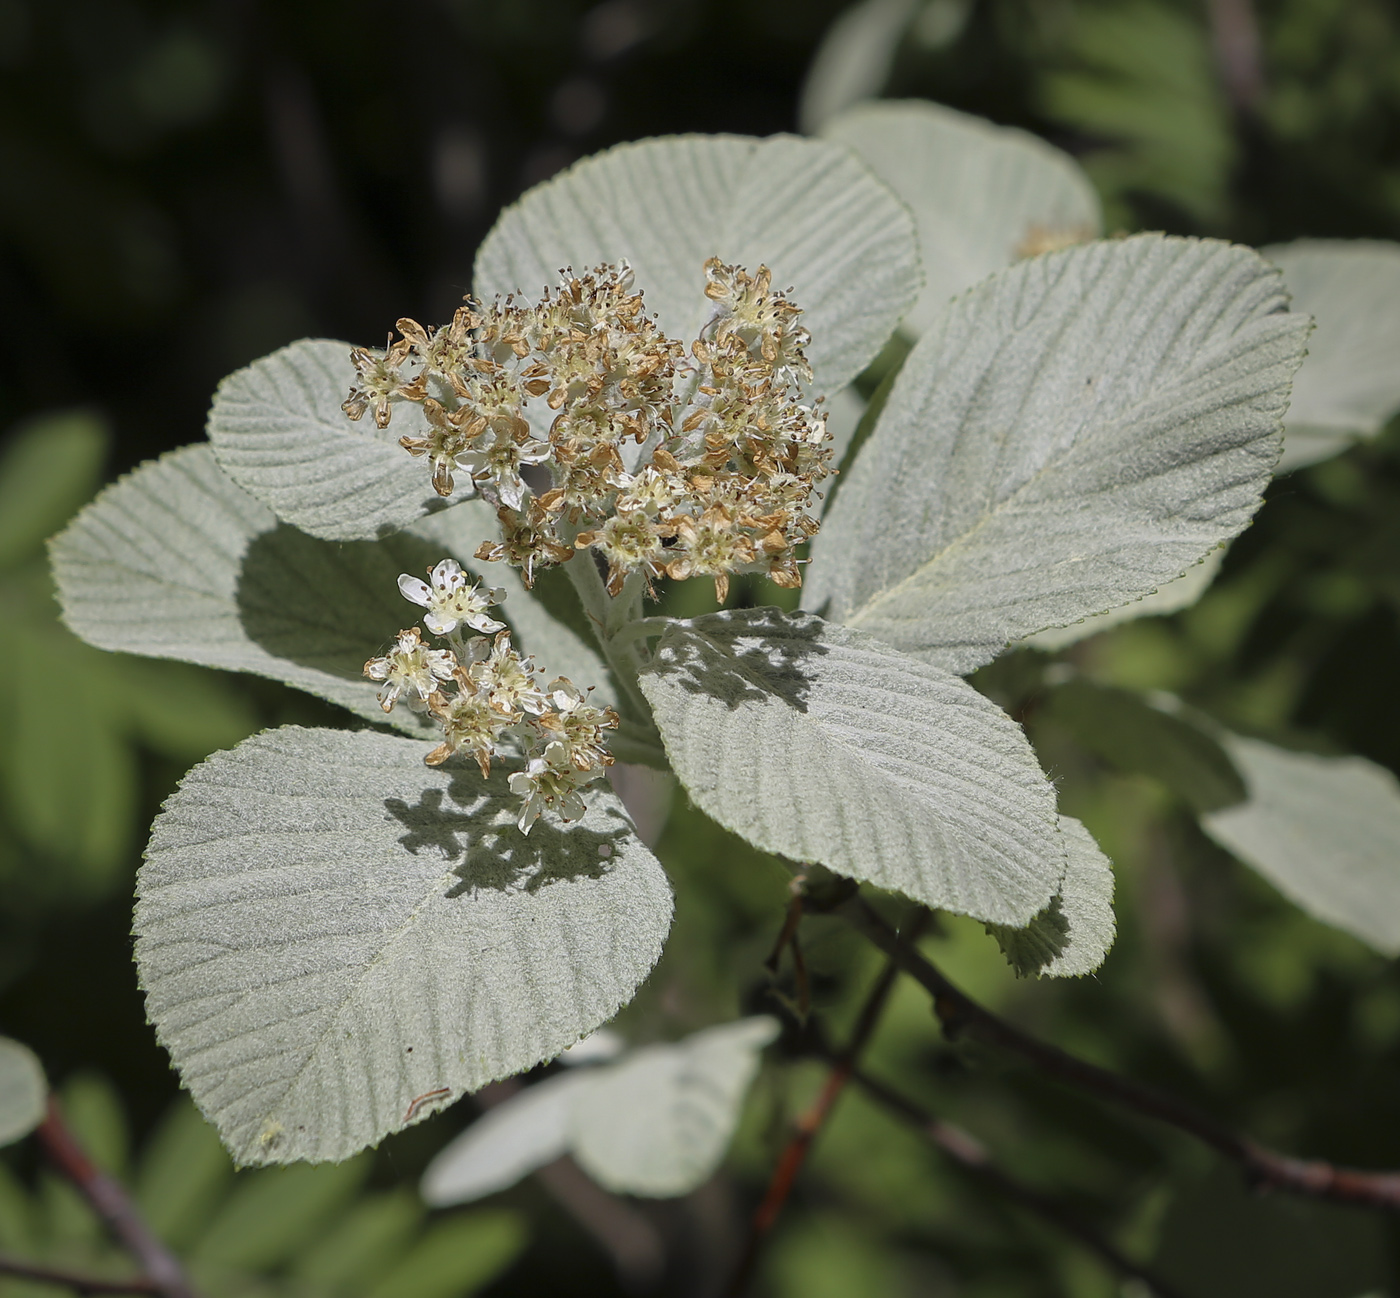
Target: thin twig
[(789, 940), (969, 1154), (83, 1284), (1264, 1168), (807, 1126), (109, 1200)]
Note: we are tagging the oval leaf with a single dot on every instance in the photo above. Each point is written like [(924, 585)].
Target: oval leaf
[(822, 744), (984, 196), (1076, 431), (1325, 831), (854, 59), (24, 1092), (1350, 384), (1072, 935), (806, 209), (278, 431), (334, 939), (508, 1142), (659, 1122), (177, 561)]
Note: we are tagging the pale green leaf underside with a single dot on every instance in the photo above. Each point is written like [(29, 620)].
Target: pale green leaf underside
[(982, 195), (328, 931), (1349, 386), (506, 1143), (278, 431), (1325, 831), (1077, 431), (1073, 934), (23, 1091), (806, 209), (659, 1122), (822, 744), (854, 59), (177, 561)]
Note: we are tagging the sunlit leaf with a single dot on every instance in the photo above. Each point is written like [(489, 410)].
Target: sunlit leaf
[(806, 209), (1077, 431), (335, 940), (23, 1091), (822, 744), (1073, 934), (984, 196), (1325, 831), (1349, 385), (659, 1122)]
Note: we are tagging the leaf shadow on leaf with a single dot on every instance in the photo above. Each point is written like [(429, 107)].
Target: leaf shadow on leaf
[(328, 605), (756, 656), (473, 824)]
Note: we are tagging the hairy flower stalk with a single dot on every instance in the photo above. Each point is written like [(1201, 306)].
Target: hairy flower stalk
[(487, 698), (664, 460)]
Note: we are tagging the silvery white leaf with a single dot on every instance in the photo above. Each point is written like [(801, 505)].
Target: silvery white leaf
[(984, 196), (278, 431), (1349, 386), (24, 1092), (1324, 830), (854, 59), (508, 1142), (1077, 431), (822, 744), (176, 561), (335, 940), (658, 1123), (808, 210)]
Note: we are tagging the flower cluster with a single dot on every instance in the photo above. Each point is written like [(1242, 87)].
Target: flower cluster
[(487, 698), (698, 462)]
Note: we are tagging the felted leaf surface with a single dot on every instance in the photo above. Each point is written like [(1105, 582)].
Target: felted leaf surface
[(334, 939), (506, 1143), (1349, 385), (23, 1091), (659, 1122), (1076, 431), (983, 195), (1325, 831), (278, 431), (177, 561), (808, 210), (1073, 934), (822, 744)]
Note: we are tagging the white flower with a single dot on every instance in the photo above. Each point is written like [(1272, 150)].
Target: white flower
[(450, 601), (409, 667), (546, 783), (508, 679)]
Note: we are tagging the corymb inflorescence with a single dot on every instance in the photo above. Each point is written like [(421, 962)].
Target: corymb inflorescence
[(688, 462)]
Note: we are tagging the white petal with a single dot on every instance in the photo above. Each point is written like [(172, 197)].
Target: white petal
[(448, 576), (480, 622), (414, 591), (438, 624)]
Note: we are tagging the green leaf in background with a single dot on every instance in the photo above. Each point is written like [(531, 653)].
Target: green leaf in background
[(1126, 730), (176, 561), (48, 468), (456, 1257), (658, 1123), (984, 196), (506, 1143), (335, 940), (1325, 831), (1077, 431), (822, 744), (1142, 74), (1073, 934), (1349, 386), (806, 209), (278, 431), (23, 1091)]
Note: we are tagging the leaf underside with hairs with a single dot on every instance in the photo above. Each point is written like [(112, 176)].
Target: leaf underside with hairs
[(1075, 432), (821, 744), (335, 940)]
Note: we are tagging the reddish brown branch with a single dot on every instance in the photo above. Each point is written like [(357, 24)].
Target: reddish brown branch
[(969, 1154), (109, 1200), (1264, 1168), (83, 1284)]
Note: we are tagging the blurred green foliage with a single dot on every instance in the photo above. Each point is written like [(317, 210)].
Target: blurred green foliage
[(190, 185)]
